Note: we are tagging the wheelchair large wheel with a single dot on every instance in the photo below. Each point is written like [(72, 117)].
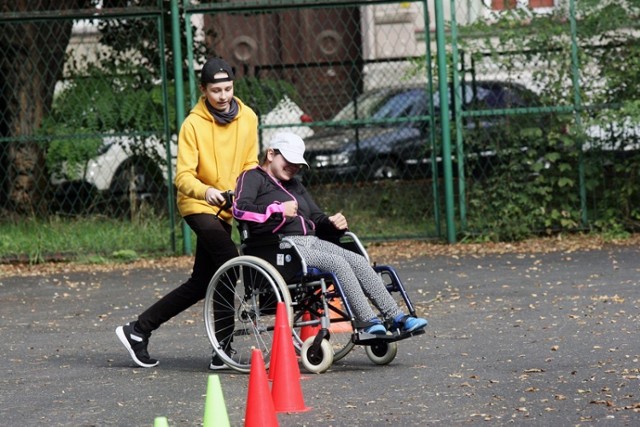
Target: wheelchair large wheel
[(317, 361), (382, 353), (240, 310)]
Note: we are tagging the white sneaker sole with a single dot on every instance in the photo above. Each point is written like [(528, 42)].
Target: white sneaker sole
[(217, 367)]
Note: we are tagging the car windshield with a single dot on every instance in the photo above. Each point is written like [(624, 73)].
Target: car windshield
[(404, 104), (385, 104), (412, 101)]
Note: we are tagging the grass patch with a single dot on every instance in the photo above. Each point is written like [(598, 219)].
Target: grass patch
[(89, 238), (381, 210), (375, 211)]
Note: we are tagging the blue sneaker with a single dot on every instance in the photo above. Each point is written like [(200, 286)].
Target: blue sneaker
[(376, 329), (408, 323)]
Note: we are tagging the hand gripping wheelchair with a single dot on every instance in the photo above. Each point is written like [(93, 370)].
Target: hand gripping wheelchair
[(242, 297)]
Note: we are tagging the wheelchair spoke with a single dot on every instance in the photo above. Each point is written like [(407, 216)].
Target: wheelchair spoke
[(240, 308)]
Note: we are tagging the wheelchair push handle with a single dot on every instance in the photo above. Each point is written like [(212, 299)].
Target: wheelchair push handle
[(228, 201)]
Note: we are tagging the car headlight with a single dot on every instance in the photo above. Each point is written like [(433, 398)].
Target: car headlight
[(331, 160)]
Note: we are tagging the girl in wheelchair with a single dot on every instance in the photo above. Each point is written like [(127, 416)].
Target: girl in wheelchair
[(270, 200)]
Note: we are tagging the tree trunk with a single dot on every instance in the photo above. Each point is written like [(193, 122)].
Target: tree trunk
[(31, 63)]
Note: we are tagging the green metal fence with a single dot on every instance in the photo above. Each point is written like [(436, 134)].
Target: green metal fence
[(560, 150), (340, 75), (451, 120), (84, 130)]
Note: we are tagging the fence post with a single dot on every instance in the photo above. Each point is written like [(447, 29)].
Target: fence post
[(458, 99), (577, 109), (444, 118), (179, 82)]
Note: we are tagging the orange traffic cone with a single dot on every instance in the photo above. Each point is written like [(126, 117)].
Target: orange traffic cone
[(281, 319), (286, 391), (260, 411), (308, 331)]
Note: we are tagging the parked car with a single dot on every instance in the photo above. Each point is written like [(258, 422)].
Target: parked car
[(621, 137), (287, 116), (130, 170), (125, 170), (393, 141)]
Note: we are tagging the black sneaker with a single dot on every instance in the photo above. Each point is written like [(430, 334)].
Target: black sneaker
[(136, 343), (216, 363)]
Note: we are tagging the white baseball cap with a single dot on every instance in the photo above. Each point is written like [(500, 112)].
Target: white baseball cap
[(291, 146)]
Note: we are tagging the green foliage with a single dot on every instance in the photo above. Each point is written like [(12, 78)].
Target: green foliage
[(125, 255), (98, 102), (110, 99), (93, 106), (538, 190), (125, 35), (527, 190), (263, 94), (113, 90)]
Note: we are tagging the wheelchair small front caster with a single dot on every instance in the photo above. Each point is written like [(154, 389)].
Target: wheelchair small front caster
[(382, 353), (317, 360)]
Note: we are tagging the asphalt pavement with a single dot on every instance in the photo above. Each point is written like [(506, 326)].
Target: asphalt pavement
[(536, 339)]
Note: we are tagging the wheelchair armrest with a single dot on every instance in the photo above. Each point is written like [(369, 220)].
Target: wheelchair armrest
[(351, 242), (261, 241)]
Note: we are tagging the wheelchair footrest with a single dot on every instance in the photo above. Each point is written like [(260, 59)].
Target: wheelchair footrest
[(362, 338)]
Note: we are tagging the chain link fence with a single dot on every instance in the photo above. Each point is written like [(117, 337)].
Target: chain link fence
[(540, 104), (349, 77), (85, 146), (551, 136)]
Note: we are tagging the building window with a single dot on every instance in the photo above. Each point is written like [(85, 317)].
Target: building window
[(503, 4), (511, 4), (540, 3)]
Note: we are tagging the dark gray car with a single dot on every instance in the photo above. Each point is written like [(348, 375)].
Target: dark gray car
[(384, 133)]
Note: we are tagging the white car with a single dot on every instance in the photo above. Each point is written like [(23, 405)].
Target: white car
[(287, 116), (623, 136), (131, 169)]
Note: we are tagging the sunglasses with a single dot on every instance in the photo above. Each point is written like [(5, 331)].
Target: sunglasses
[(276, 152)]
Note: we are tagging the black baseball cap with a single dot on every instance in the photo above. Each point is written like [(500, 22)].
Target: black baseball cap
[(214, 66)]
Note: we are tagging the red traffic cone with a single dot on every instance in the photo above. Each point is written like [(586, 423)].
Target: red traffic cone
[(281, 319), (260, 411), (286, 390), (308, 331)]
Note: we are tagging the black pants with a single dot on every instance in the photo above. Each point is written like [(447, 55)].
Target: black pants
[(214, 247)]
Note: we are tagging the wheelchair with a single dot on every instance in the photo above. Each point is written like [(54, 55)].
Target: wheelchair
[(242, 297)]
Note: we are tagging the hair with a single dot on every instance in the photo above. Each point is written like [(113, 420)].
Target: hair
[(266, 152)]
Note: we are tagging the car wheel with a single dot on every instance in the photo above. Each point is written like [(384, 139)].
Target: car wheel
[(138, 182), (385, 169)]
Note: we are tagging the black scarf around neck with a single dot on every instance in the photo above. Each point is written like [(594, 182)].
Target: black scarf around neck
[(224, 117)]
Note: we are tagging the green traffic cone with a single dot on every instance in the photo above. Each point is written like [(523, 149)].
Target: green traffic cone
[(215, 411), (161, 422)]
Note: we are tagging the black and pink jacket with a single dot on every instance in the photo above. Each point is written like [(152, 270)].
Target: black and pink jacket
[(258, 203)]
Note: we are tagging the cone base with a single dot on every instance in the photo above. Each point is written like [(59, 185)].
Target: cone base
[(294, 410)]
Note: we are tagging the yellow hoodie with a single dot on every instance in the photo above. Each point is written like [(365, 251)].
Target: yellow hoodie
[(213, 155)]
